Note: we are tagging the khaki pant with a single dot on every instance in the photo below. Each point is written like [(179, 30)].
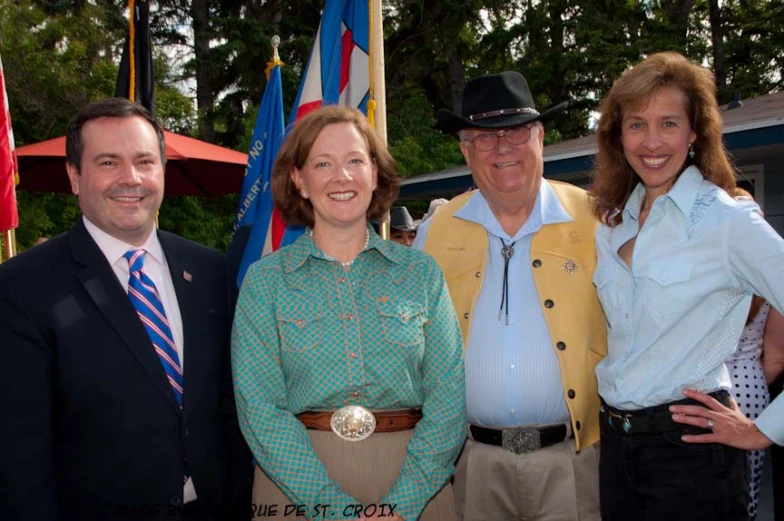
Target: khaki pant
[(365, 469), (552, 484)]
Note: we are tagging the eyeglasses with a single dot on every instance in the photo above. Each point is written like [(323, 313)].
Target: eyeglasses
[(487, 141)]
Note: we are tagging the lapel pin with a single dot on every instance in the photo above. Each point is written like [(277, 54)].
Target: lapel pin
[(570, 266), (187, 276)]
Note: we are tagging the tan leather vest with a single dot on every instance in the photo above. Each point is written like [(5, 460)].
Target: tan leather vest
[(563, 259)]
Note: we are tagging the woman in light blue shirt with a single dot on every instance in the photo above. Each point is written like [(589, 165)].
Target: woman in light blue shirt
[(678, 261)]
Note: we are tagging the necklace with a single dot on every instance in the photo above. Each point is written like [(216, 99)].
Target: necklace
[(507, 250), (346, 264)]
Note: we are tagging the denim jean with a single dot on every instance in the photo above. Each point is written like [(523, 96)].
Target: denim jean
[(659, 477)]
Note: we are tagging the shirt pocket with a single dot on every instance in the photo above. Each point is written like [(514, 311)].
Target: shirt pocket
[(606, 278), (301, 328), (666, 289), (402, 321)]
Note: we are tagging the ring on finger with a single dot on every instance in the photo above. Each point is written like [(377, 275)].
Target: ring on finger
[(710, 424)]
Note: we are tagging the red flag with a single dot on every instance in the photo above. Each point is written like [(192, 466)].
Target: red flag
[(337, 73), (9, 218)]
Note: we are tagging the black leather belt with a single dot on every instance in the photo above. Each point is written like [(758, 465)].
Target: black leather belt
[(654, 419), (521, 440)]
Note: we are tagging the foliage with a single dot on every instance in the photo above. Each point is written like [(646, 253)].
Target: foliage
[(416, 145), (211, 55)]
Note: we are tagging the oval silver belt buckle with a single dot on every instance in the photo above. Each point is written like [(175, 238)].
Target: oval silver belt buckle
[(353, 423)]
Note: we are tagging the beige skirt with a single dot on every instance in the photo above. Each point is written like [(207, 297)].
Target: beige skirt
[(364, 469)]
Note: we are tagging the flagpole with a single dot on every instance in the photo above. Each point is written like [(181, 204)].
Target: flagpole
[(379, 83), (10, 244)]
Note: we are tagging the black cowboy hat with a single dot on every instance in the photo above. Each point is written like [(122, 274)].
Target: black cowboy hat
[(496, 101), (400, 219)]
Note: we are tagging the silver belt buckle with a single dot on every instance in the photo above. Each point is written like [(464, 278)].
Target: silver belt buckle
[(353, 423), (521, 440)]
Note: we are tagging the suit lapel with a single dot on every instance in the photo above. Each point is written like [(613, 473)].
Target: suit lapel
[(187, 299), (104, 289)]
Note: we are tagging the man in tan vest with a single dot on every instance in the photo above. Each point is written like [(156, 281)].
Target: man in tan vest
[(518, 257)]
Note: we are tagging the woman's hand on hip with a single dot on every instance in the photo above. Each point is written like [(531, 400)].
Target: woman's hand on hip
[(729, 426)]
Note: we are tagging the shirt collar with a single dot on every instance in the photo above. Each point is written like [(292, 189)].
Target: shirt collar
[(304, 247), (683, 193), (547, 210), (113, 248)]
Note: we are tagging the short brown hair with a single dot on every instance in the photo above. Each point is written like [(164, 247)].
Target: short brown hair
[(294, 152), (614, 179), (106, 108)]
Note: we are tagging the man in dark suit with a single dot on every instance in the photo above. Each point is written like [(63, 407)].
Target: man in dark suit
[(110, 412)]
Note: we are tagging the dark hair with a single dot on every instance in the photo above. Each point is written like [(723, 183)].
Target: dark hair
[(295, 150), (106, 108), (614, 179)]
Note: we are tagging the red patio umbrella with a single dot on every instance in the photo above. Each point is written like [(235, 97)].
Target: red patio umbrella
[(193, 167)]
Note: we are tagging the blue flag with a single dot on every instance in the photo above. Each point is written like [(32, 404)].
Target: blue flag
[(255, 207)]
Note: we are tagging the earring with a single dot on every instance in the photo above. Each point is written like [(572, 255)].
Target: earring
[(691, 150), (304, 194)]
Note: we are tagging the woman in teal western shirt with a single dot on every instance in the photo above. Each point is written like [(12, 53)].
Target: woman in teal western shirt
[(346, 351)]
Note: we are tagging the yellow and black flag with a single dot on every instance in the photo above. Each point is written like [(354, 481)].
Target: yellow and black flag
[(135, 80)]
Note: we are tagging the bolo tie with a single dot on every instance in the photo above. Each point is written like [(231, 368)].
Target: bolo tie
[(507, 250)]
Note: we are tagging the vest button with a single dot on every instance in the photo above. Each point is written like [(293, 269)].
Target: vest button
[(577, 424), (561, 346), (549, 303), (465, 316), (571, 393), (478, 273), (536, 263)]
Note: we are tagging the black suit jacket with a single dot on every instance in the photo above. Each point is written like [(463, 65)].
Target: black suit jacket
[(91, 429)]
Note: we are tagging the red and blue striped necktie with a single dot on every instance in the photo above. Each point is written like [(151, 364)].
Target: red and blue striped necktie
[(149, 306), (145, 298)]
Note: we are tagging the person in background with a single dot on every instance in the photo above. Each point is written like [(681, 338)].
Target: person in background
[(115, 382), (679, 259), (346, 348), (402, 229), (435, 204), (518, 257), (764, 333)]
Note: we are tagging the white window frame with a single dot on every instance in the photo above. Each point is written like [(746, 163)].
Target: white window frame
[(755, 174)]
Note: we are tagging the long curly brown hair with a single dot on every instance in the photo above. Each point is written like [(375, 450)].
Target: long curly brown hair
[(613, 177)]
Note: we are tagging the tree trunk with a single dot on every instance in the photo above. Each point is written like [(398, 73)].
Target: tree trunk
[(719, 56), (277, 15), (456, 79), (678, 12), (204, 73)]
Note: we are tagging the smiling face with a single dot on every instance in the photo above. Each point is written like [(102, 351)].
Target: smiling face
[(338, 178), (120, 186), (656, 136), (508, 170)]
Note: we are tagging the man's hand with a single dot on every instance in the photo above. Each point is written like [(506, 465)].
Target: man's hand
[(729, 425)]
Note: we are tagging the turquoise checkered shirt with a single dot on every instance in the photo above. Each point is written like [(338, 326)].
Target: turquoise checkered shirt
[(310, 336)]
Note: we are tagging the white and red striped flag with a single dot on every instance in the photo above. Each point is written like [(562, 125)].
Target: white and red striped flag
[(9, 218), (337, 73)]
